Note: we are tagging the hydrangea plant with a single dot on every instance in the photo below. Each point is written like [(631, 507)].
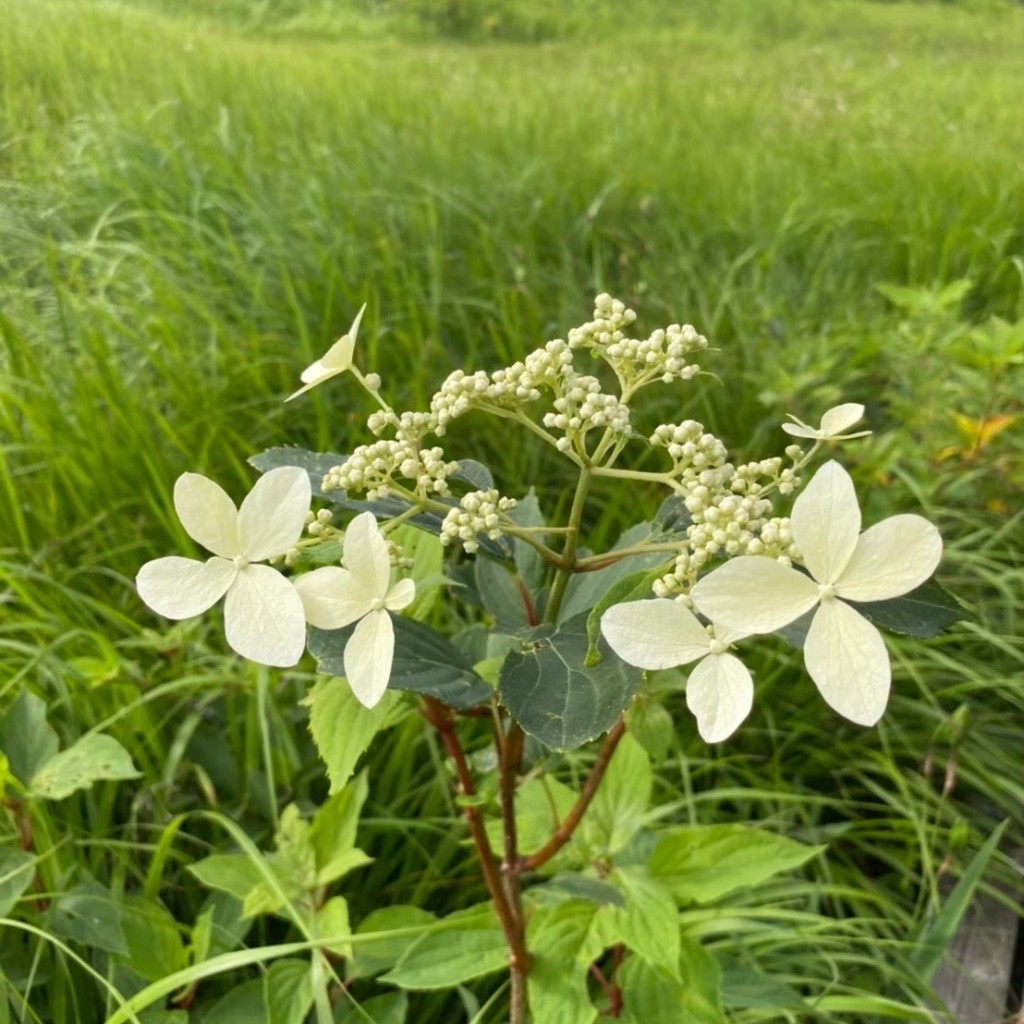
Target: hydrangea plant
[(560, 636)]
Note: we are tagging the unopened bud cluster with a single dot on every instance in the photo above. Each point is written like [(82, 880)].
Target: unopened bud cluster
[(373, 468), (478, 513), (583, 407)]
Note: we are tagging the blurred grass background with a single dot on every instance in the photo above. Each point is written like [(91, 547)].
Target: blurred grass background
[(195, 199)]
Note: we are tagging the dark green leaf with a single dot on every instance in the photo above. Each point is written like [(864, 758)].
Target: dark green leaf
[(155, 945), (531, 567), (26, 737), (551, 693), (244, 1004), (569, 885), (924, 612), (503, 595), (88, 914), (17, 869), (424, 662), (387, 1009)]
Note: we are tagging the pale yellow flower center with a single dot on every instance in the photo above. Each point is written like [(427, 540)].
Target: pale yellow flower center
[(376, 604), (826, 591)]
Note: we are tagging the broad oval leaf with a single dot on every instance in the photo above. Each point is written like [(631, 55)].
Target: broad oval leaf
[(93, 758), (924, 612), (554, 696), (424, 662)]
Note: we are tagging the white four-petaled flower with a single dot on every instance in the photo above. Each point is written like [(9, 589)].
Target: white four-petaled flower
[(833, 423), (263, 615), (844, 653), (663, 634), (335, 597), (337, 359)]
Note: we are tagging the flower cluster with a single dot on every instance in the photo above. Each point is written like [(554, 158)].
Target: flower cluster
[(373, 468), (478, 512), (693, 451), (582, 407)]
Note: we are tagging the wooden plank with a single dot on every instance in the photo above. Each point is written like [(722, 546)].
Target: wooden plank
[(974, 979)]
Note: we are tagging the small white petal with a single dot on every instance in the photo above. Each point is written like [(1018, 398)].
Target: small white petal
[(753, 594), (840, 418), (338, 357), (826, 522), (316, 372), (891, 558), (727, 635), (846, 657), (654, 634), (401, 595), (720, 693), (798, 428), (207, 513), (179, 588), (332, 597), (368, 657), (273, 513), (263, 617), (365, 554)]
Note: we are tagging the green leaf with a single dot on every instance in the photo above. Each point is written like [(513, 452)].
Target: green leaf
[(500, 592), (424, 662), (342, 728), (924, 612), (542, 803), (228, 924), (554, 697), (288, 991), (26, 737), (387, 1009), (374, 956), (650, 724), (653, 995), (744, 988), (563, 942), (17, 869), (244, 1004), (938, 933), (333, 832), (619, 809), (469, 945), (153, 938), (332, 920), (701, 863), (649, 922), (93, 758), (530, 565), (88, 914), (585, 589), (569, 885), (427, 555)]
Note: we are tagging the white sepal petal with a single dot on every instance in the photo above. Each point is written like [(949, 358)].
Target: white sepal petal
[(826, 522), (263, 617), (846, 657), (207, 513), (332, 597), (315, 372), (720, 693), (401, 595), (654, 634), (840, 418), (890, 559), (273, 513), (754, 594), (365, 554), (799, 429), (368, 657), (179, 588)]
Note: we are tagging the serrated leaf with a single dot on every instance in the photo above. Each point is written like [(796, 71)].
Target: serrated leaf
[(925, 612), (701, 863), (95, 757), (288, 991), (333, 831), (619, 809), (649, 922), (28, 740), (555, 697), (563, 942), (343, 728), (374, 956), (424, 662), (469, 944), (653, 995), (332, 921), (541, 805)]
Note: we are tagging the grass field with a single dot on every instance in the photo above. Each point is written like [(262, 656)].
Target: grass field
[(195, 199)]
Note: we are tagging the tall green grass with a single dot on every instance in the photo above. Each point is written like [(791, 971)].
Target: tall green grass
[(195, 200)]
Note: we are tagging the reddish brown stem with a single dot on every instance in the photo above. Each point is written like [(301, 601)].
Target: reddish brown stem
[(440, 718), (565, 830)]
